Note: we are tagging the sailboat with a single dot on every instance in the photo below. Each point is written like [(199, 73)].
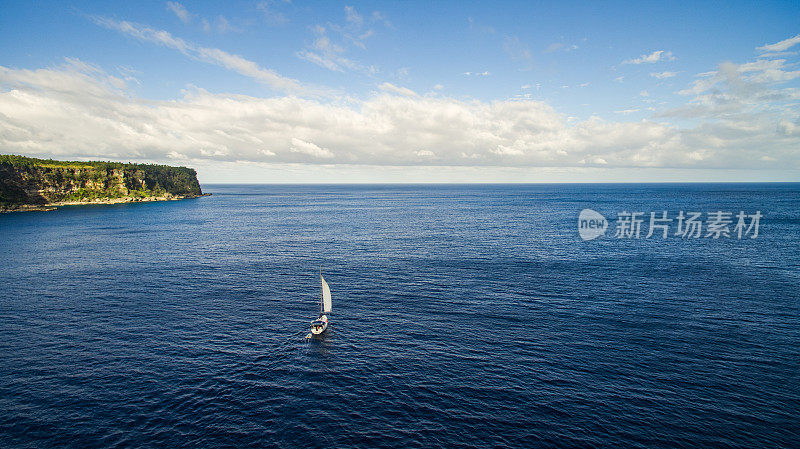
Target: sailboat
[(319, 325)]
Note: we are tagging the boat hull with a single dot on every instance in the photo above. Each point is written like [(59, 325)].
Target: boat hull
[(319, 325)]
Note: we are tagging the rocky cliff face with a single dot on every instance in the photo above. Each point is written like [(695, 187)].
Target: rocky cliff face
[(38, 182)]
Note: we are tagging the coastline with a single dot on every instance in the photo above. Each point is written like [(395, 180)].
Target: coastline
[(99, 201)]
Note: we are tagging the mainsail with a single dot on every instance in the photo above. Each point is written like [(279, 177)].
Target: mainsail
[(326, 296)]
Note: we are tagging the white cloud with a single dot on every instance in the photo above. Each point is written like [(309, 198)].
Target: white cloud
[(78, 111), (145, 34), (768, 71), (269, 8), (353, 17), (517, 50), (503, 150), (221, 24), (225, 26), (332, 41), (788, 128), (593, 161), (388, 87), (378, 17), (663, 75), (322, 61), (180, 11), (484, 73), (479, 28), (560, 46), (209, 55), (327, 54), (656, 56), (744, 77), (782, 45), (744, 106), (312, 149)]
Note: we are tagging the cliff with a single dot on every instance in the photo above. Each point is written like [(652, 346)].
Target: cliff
[(36, 184)]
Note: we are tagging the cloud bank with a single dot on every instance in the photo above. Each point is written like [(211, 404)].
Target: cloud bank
[(77, 110)]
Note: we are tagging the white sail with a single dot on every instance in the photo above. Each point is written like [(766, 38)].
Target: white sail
[(326, 296)]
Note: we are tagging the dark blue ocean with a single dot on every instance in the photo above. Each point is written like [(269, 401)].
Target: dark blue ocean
[(463, 316)]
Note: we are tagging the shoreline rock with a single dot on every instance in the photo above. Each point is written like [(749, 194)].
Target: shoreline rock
[(99, 202)]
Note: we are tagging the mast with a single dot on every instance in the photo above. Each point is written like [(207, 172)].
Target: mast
[(321, 293)]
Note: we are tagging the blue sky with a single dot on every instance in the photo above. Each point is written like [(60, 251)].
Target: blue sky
[(279, 91)]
